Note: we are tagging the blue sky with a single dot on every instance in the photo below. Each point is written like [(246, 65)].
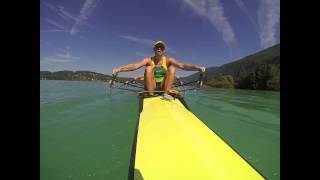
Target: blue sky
[(99, 35)]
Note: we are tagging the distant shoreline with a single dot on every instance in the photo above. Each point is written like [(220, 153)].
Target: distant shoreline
[(258, 71)]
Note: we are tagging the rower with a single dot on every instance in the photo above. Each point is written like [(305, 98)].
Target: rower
[(160, 70)]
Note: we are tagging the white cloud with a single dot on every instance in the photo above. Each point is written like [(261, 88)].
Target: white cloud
[(80, 20), (61, 57), (54, 31), (244, 9), (60, 11), (213, 11), (138, 40), (66, 56), (85, 12), (56, 24), (146, 42), (66, 15), (268, 19), (57, 60), (50, 6)]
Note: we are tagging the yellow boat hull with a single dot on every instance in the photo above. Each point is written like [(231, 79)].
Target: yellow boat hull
[(173, 144)]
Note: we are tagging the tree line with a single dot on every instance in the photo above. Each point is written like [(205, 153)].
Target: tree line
[(263, 77)]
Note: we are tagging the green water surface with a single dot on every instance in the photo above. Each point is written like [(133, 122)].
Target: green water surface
[(86, 131)]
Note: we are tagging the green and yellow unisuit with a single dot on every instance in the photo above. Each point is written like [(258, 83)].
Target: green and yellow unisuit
[(159, 72)]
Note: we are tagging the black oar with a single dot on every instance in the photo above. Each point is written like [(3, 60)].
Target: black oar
[(135, 84)]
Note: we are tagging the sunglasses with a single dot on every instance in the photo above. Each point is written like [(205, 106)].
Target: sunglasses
[(158, 47)]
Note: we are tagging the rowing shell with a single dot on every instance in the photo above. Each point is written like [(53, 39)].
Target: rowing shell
[(171, 143)]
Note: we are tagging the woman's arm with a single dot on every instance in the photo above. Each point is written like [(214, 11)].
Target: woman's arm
[(131, 67), (187, 67)]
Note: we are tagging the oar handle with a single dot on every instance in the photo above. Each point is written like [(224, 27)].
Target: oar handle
[(200, 79), (111, 81)]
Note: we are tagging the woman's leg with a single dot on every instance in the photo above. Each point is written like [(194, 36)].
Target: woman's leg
[(150, 83), (171, 73)]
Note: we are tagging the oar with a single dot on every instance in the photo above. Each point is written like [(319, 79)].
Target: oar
[(111, 81), (201, 80)]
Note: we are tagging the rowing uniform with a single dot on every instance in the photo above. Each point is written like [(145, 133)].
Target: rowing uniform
[(159, 71)]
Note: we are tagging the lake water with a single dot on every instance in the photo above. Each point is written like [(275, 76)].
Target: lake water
[(86, 131)]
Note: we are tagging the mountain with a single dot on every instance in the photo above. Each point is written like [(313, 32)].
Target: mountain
[(77, 76), (270, 55), (73, 75)]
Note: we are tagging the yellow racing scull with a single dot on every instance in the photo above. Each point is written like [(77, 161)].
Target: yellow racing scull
[(171, 143)]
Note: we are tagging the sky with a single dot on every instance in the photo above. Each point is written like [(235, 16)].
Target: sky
[(99, 35)]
